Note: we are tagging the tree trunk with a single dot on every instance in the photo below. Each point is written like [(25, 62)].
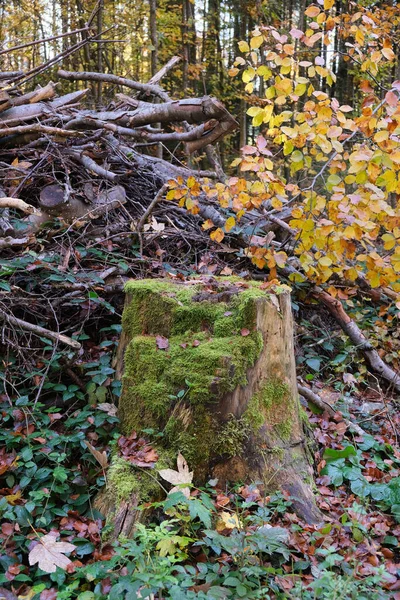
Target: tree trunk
[(210, 363)]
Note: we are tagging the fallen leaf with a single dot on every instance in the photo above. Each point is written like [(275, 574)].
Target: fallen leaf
[(162, 342), (179, 477), (101, 457), (49, 554), (110, 409), (227, 520), (244, 332)]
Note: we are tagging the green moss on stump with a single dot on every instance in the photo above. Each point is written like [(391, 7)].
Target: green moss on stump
[(207, 357)]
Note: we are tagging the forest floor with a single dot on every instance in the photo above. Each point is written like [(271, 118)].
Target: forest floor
[(58, 418)]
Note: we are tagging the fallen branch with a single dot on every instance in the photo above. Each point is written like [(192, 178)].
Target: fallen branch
[(312, 397), (10, 242), (116, 80), (40, 331), (357, 337), (91, 165)]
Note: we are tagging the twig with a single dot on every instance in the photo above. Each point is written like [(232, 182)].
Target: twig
[(157, 198), (42, 41)]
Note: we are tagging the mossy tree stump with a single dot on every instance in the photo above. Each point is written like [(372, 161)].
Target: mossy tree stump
[(223, 391)]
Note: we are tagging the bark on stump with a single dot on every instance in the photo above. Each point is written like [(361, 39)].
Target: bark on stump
[(220, 384)]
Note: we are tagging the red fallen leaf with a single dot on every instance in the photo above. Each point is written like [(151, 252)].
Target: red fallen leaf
[(195, 343), (325, 491), (387, 553), (106, 585), (162, 342), (18, 414), (50, 594), (137, 451), (184, 345), (40, 440), (7, 528), (244, 332), (55, 417), (222, 500), (373, 560)]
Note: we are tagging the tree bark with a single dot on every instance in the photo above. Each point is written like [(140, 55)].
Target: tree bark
[(210, 363)]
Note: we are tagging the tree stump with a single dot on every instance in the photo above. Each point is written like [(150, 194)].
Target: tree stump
[(210, 364)]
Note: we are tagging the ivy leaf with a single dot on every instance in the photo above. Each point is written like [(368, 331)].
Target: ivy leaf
[(197, 509)]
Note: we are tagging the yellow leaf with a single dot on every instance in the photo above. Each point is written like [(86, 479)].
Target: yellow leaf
[(13, 498), (207, 224), (230, 224), (325, 261), (389, 241), (243, 46), (256, 41), (381, 136), (217, 235), (257, 188), (395, 156), (328, 4), (276, 203), (253, 111), (268, 110), (388, 53), (190, 182), (248, 74), (228, 520)]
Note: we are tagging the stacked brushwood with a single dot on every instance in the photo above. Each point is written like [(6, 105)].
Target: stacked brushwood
[(60, 160)]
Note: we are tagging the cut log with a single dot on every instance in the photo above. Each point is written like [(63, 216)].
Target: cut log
[(210, 363)]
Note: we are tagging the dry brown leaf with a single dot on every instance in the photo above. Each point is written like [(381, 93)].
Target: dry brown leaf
[(101, 457), (110, 409), (49, 554)]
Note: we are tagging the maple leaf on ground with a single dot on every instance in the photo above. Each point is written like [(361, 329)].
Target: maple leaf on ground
[(179, 477), (49, 553)]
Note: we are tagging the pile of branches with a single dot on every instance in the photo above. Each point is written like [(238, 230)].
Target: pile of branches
[(78, 164)]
